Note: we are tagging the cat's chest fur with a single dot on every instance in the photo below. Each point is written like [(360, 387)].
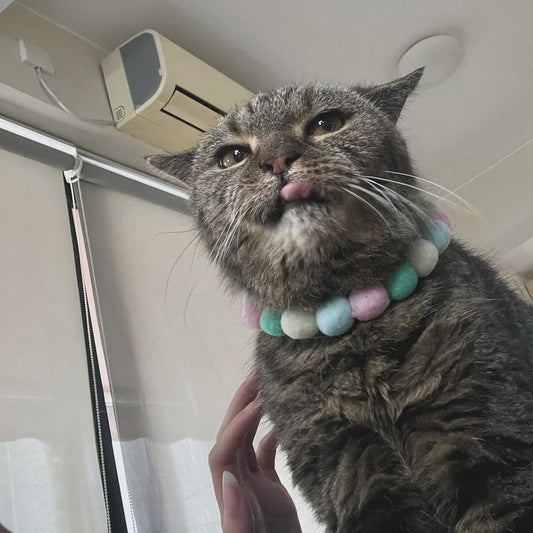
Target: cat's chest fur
[(363, 388), (368, 377), (318, 414), (335, 400)]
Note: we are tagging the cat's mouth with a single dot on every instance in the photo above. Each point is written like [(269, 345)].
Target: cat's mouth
[(299, 194), (313, 199), (301, 198)]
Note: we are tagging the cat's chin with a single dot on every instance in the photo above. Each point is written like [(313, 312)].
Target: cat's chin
[(303, 209), (304, 227), (306, 214)]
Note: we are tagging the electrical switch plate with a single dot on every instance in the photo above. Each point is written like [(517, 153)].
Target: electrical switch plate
[(34, 56)]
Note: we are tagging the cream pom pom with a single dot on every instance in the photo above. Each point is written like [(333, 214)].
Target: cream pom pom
[(298, 324), (423, 256)]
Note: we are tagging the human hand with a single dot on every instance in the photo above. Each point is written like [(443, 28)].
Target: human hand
[(249, 493)]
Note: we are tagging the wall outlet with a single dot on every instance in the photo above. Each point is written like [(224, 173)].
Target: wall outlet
[(34, 56)]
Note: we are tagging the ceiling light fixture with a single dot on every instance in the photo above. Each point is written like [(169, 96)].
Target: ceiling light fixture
[(441, 55)]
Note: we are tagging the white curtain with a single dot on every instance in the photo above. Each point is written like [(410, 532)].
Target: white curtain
[(49, 474)]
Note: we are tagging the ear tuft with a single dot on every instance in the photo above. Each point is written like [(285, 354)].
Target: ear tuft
[(390, 98), (174, 168)]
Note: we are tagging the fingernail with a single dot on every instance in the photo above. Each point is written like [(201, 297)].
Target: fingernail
[(231, 494), (253, 405), (249, 381)]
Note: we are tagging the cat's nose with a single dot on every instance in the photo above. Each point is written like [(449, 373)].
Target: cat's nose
[(279, 165)]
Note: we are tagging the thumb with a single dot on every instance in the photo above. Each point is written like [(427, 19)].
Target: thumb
[(237, 517)]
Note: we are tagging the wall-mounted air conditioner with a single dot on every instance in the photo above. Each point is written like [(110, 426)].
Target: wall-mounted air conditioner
[(163, 95)]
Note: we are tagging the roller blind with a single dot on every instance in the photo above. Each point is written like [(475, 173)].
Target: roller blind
[(49, 473)]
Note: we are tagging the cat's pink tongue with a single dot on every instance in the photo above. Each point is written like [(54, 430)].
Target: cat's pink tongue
[(296, 190)]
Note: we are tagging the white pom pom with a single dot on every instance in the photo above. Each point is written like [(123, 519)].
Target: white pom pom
[(298, 324), (423, 256)]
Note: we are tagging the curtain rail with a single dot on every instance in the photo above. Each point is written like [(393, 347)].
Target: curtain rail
[(45, 148)]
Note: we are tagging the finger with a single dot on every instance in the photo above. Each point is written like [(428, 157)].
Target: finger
[(224, 454), (266, 455), (250, 464), (237, 517), (244, 395)]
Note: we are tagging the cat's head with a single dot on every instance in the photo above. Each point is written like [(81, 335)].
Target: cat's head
[(290, 194)]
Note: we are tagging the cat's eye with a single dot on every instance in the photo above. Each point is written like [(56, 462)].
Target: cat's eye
[(232, 155), (325, 123)]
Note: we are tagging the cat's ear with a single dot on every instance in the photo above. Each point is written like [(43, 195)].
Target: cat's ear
[(390, 98), (174, 168)]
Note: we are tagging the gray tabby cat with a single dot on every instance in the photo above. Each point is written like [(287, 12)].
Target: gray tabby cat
[(420, 420)]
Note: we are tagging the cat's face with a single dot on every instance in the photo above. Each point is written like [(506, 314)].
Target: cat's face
[(279, 186)]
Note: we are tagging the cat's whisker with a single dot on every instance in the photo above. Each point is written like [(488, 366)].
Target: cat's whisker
[(174, 266), (401, 212), (386, 197), (385, 201), (229, 239), (414, 187), (227, 232), (175, 232), (219, 245), (215, 250), (438, 185), (238, 237), (422, 215), (376, 197), (235, 223), (238, 242), (368, 204)]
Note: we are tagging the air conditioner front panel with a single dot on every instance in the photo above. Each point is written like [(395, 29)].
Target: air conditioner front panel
[(167, 133), (200, 79)]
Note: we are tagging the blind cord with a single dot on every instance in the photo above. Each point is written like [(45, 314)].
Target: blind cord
[(117, 498)]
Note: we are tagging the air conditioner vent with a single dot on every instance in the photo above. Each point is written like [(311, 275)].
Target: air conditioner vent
[(119, 113)]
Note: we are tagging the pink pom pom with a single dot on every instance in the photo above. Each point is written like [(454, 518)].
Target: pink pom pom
[(369, 303), (251, 313), (438, 214)]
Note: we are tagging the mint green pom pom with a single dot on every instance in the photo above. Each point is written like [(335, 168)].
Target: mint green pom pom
[(440, 235), (403, 282), (335, 316), (270, 322)]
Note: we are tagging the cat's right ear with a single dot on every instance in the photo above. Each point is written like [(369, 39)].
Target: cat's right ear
[(390, 98), (174, 168)]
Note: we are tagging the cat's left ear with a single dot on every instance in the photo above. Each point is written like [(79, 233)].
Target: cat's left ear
[(174, 168), (390, 98)]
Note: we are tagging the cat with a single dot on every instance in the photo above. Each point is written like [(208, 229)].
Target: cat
[(420, 420)]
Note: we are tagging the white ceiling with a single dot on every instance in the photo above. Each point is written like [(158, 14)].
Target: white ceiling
[(456, 129)]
